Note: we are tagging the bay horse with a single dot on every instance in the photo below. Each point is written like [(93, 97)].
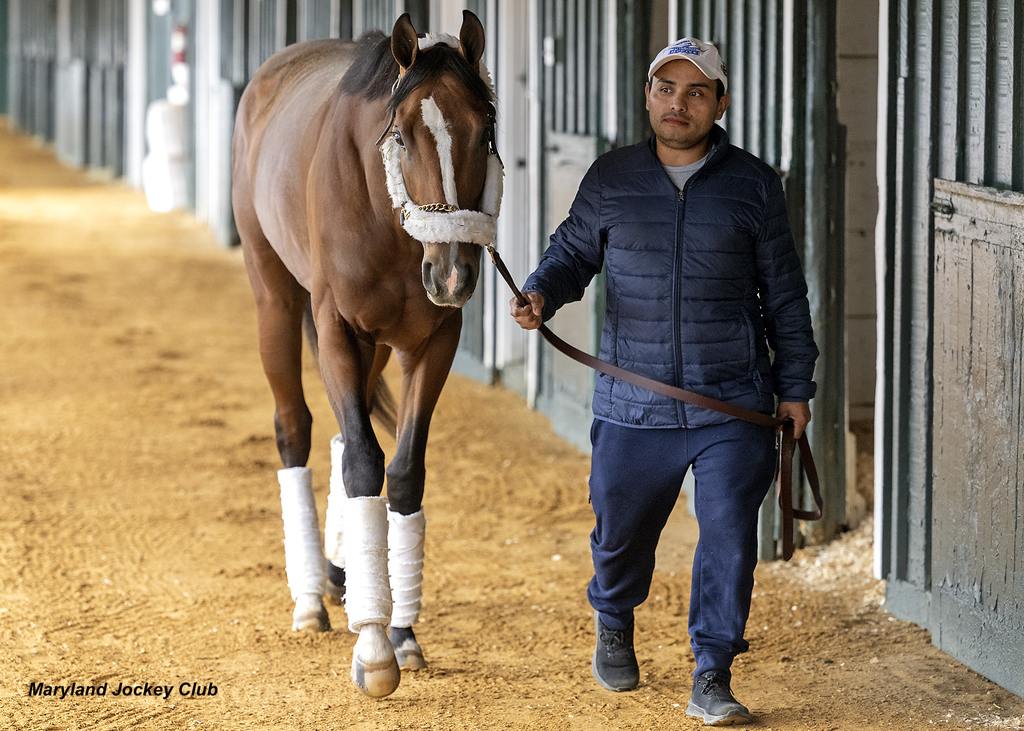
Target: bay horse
[(365, 184)]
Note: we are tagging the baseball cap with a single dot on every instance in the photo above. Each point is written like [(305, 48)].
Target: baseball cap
[(700, 53)]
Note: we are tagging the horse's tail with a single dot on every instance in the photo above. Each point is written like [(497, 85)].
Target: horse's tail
[(382, 408), (309, 328), (382, 402)]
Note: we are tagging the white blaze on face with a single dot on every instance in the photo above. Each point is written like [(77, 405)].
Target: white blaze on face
[(437, 125)]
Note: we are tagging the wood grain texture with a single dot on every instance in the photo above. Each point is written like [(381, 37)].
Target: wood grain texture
[(977, 522)]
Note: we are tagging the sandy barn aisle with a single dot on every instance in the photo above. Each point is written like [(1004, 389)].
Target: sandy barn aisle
[(141, 533)]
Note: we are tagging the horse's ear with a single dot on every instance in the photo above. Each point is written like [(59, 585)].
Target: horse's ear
[(471, 38), (404, 43)]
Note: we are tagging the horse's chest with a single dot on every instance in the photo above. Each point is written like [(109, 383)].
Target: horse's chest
[(393, 310)]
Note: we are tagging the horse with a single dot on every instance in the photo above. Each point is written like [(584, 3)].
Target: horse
[(366, 183)]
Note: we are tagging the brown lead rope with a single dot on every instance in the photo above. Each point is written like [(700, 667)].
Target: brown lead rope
[(784, 464)]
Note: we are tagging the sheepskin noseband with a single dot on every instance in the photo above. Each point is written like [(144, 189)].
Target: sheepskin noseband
[(444, 222)]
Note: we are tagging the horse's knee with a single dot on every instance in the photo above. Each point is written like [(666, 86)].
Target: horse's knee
[(405, 486), (293, 429), (363, 469)]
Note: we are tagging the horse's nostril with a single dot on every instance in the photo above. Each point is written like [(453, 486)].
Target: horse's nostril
[(466, 280)]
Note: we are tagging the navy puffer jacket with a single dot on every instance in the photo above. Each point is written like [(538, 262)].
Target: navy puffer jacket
[(700, 282)]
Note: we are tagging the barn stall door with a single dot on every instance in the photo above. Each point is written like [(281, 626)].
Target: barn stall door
[(978, 430), (571, 98)]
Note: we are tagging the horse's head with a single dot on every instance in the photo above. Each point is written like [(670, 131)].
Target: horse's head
[(437, 151)]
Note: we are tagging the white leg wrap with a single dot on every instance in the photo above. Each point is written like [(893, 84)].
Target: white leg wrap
[(334, 546), (405, 566), (367, 593), (303, 559)]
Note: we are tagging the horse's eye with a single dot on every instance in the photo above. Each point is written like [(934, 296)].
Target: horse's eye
[(397, 137)]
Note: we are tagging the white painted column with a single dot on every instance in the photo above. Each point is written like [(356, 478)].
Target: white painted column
[(207, 70), (515, 109), (609, 92), (448, 17), (358, 18), (536, 202), (673, 22), (63, 129), (786, 153), (214, 100), (492, 287), (135, 94)]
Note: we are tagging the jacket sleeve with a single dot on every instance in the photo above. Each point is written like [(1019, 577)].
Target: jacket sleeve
[(784, 301), (575, 252)]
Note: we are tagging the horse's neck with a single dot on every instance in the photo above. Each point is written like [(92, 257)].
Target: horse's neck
[(360, 162)]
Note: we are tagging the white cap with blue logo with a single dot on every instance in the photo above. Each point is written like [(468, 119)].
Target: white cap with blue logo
[(700, 53)]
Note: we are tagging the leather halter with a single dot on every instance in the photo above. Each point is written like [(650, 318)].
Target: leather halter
[(444, 222), (784, 462)]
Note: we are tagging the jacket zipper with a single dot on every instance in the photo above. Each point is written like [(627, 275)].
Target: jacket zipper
[(678, 304), (677, 335)]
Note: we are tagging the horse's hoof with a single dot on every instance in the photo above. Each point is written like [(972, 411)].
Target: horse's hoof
[(374, 667), (335, 594), (335, 587), (310, 614), (407, 650)]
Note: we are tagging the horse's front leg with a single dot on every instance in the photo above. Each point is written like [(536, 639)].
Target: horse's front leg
[(368, 595), (425, 372)]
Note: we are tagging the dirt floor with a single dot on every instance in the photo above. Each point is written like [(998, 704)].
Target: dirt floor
[(141, 536)]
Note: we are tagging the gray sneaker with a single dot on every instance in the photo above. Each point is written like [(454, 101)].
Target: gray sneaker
[(614, 663), (713, 702)]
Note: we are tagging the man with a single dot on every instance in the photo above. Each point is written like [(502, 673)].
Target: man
[(701, 271)]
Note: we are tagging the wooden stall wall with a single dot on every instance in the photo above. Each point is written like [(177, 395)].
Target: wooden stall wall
[(948, 428), (977, 562)]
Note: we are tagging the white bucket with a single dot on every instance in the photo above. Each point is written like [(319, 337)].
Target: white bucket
[(166, 128), (163, 180)]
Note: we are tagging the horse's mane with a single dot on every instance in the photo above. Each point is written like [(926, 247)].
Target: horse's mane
[(374, 71)]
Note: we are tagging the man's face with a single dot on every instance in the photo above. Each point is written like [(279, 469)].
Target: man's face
[(682, 104)]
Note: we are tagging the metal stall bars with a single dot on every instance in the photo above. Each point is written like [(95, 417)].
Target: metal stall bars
[(71, 116), (948, 428), (249, 32), (324, 19), (781, 57), (32, 61), (571, 65), (105, 47), (271, 27)]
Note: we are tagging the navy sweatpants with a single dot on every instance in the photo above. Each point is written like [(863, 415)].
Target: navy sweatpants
[(635, 478)]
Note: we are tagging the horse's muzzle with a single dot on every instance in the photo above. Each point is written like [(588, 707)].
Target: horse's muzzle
[(450, 272)]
